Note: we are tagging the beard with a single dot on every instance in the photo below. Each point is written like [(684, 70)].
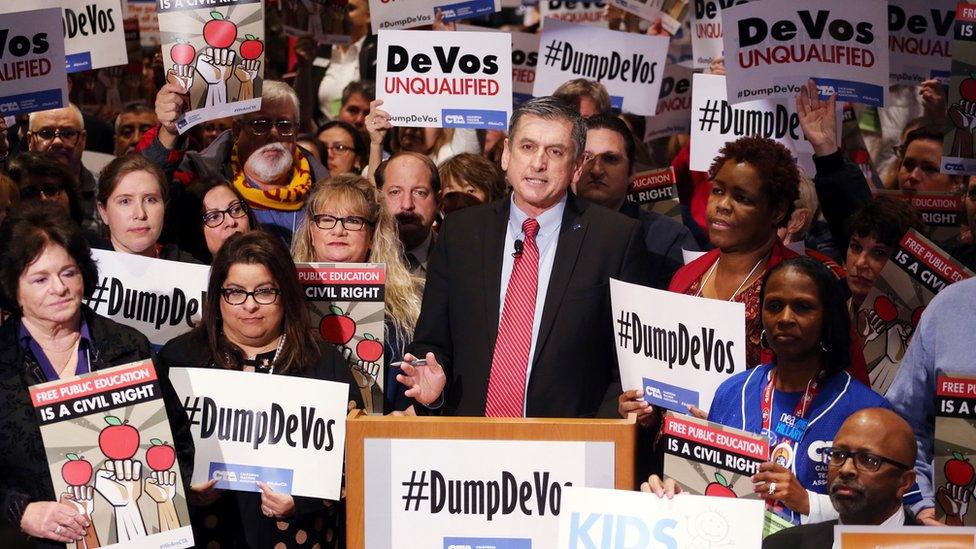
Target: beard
[(412, 229), (262, 169)]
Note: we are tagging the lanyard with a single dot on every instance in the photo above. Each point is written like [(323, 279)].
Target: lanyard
[(784, 450)]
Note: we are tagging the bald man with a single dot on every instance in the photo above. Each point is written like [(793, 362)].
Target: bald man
[(870, 469), (60, 134)]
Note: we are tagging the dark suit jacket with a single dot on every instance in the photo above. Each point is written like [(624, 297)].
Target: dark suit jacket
[(574, 369), (811, 536)]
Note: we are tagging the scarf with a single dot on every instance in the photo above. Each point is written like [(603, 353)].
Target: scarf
[(289, 198)]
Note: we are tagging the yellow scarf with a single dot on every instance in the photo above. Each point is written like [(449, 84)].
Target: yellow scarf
[(289, 198)]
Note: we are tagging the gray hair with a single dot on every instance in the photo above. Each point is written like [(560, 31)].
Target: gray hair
[(552, 108), (274, 90), (70, 106)]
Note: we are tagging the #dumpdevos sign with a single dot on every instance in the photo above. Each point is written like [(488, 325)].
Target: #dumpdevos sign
[(407, 14), (435, 79)]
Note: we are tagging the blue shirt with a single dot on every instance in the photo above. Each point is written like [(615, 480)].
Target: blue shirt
[(27, 341)]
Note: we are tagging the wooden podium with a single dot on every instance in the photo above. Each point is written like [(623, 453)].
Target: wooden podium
[(621, 433)]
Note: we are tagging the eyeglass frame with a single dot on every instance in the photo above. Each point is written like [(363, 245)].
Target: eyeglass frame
[(241, 204), (253, 294), (339, 147), (58, 132), (249, 126), (342, 220), (829, 453)]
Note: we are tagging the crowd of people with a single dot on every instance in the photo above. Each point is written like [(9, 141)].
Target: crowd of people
[(498, 249)]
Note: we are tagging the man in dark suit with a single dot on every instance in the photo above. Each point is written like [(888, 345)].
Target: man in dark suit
[(869, 470), (516, 316)]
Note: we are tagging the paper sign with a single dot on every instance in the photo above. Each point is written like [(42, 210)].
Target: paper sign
[(955, 448), (677, 348), (407, 14), (575, 11), (656, 191), (145, 10), (706, 31), (920, 39), (288, 432), (139, 292), (645, 9), (958, 153), (441, 79), (900, 537), (112, 456), (942, 213), (31, 72), (617, 518), (320, 19), (216, 54), (673, 115), (632, 70), (525, 57), (772, 48)]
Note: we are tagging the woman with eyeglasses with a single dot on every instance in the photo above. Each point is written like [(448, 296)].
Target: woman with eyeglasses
[(255, 320), (346, 146), (801, 398), (346, 221), (223, 212)]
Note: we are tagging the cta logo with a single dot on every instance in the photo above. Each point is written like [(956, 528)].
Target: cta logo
[(953, 167), (229, 476), (454, 119)]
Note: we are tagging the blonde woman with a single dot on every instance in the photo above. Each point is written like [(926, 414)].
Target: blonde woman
[(346, 221)]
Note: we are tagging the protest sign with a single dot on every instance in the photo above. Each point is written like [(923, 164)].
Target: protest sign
[(593, 517), (145, 11), (900, 537), (886, 320), (853, 146), (919, 39), (631, 71), (942, 213), (346, 301), (475, 493), (673, 114), (139, 292), (587, 12), (955, 448), (112, 458), (706, 30), (285, 431), (715, 122), (31, 70), (214, 54), (645, 9), (407, 14), (656, 191), (441, 79), (320, 19), (525, 57), (772, 48), (958, 153), (711, 459), (677, 348)]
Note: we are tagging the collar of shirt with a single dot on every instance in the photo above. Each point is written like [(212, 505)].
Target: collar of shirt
[(549, 221), (85, 342), (423, 250), (350, 54), (45, 370)]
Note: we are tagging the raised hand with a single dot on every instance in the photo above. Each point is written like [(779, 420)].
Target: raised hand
[(215, 66), (424, 383), (818, 118)]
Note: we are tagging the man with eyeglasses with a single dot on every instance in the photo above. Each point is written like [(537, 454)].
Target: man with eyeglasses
[(869, 470), (130, 125)]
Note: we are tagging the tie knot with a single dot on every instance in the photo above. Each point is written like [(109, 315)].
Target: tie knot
[(530, 227)]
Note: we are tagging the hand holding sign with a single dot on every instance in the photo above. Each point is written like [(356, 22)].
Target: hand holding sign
[(662, 488), (776, 482), (818, 118)]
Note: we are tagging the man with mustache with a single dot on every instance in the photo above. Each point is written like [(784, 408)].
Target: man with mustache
[(130, 125), (870, 467), (411, 186)]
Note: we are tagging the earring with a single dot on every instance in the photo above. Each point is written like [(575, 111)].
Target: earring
[(824, 348), (763, 344)]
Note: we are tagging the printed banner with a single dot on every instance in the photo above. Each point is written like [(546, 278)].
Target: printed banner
[(112, 458), (506, 494), (919, 39), (525, 56), (958, 154), (677, 348), (216, 54), (773, 48), (656, 191), (575, 11), (287, 432), (31, 71), (617, 518), (347, 302), (632, 70), (917, 270), (942, 213), (145, 10), (710, 459), (900, 537), (138, 292), (673, 114), (955, 448), (443, 79), (320, 19), (407, 14), (706, 31)]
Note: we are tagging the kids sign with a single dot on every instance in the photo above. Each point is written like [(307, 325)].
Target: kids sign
[(32, 77), (434, 79), (772, 48)]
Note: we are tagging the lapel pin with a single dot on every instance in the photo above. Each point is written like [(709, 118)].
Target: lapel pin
[(576, 226)]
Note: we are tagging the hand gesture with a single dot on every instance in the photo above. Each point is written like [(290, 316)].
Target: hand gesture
[(120, 481), (633, 401), (424, 383), (954, 500), (275, 504), (171, 103), (82, 498), (818, 118), (440, 25), (377, 122), (933, 99), (716, 66), (660, 487), (204, 493), (775, 482), (53, 520), (181, 77), (161, 485)]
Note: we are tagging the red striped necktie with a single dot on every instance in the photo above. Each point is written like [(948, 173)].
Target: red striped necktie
[(506, 384)]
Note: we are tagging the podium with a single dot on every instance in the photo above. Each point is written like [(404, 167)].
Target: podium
[(472, 481)]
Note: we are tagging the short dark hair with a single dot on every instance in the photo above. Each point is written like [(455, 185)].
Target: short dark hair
[(366, 88), (122, 166), (551, 108), (358, 141), (26, 233), (191, 238), (773, 162), (435, 178), (929, 132), (27, 167), (887, 219), (835, 331), (610, 122), (477, 171), (574, 90)]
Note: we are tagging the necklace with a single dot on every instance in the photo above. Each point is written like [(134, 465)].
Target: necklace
[(274, 358), (741, 284)]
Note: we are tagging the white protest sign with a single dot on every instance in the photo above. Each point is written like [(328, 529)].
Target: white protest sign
[(588, 12), (525, 57), (673, 114), (920, 39), (677, 348), (706, 31), (714, 122), (772, 48), (139, 292), (617, 518), (31, 72), (288, 432), (440, 79), (645, 9), (474, 493), (631, 70), (145, 11), (407, 14)]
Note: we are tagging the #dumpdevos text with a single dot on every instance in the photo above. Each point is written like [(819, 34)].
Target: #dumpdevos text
[(448, 60), (23, 50), (816, 46)]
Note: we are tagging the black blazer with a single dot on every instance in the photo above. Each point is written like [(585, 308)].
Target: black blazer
[(574, 371), (812, 536)]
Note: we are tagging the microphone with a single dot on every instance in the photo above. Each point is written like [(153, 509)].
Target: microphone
[(519, 246)]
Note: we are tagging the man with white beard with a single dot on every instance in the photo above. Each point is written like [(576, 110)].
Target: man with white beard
[(258, 155)]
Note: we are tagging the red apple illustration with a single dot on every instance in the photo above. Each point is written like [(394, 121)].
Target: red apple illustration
[(76, 471), (720, 488), (369, 349), (958, 470), (182, 53), (252, 48), (967, 88), (337, 328), (119, 440), (160, 456), (885, 308), (219, 32)]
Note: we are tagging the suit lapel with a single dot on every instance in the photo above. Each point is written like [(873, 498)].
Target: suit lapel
[(493, 237)]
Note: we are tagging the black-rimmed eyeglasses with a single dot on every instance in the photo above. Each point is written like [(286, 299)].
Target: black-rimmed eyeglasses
[(864, 461), (262, 296), (349, 223), (261, 126), (213, 218)]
